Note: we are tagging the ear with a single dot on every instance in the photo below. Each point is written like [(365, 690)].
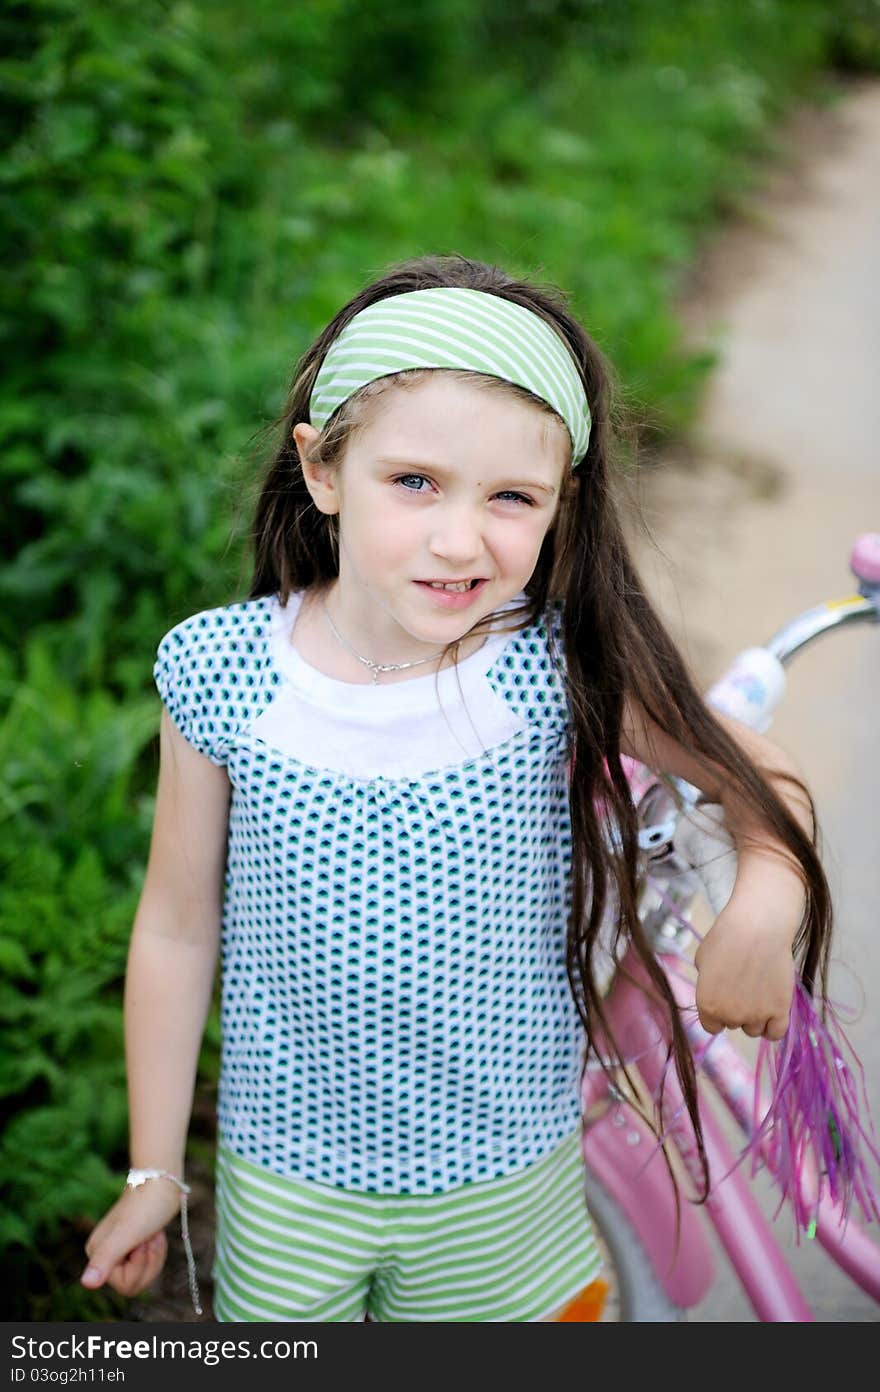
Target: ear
[(320, 478)]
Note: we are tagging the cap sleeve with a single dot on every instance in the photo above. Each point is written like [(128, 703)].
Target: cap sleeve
[(188, 673), (531, 678)]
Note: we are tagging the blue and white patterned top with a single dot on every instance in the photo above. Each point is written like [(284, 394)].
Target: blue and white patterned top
[(396, 1015)]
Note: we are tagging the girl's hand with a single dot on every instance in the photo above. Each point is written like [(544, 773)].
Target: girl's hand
[(128, 1247), (746, 975)]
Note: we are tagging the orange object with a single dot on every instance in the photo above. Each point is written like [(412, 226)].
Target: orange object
[(587, 1307)]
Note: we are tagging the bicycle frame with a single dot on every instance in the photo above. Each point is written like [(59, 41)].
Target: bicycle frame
[(621, 1149)]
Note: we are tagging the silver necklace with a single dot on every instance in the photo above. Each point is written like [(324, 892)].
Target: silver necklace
[(376, 667)]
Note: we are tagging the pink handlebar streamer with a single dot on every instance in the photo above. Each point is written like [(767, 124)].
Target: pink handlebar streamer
[(812, 1132), (810, 1119)]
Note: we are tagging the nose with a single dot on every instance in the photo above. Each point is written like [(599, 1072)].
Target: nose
[(456, 536)]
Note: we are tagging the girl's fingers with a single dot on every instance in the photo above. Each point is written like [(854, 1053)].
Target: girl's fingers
[(139, 1270), (130, 1274), (122, 1236), (774, 1028), (156, 1251), (777, 1028), (157, 1262), (125, 1277), (710, 1024)]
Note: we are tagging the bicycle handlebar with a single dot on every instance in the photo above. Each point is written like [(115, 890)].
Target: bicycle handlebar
[(865, 566), (750, 690), (755, 683)]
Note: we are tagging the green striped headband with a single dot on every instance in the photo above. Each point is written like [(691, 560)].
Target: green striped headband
[(451, 327)]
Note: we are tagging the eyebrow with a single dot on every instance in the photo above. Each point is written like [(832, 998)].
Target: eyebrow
[(419, 466)]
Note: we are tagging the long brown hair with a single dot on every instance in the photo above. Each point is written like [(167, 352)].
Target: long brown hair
[(615, 646)]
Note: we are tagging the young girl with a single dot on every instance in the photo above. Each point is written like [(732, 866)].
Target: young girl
[(391, 791)]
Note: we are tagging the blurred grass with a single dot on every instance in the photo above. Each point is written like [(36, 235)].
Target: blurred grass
[(191, 190)]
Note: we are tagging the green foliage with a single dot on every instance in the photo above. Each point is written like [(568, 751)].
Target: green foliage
[(855, 35), (73, 831), (71, 838), (62, 935), (189, 191)]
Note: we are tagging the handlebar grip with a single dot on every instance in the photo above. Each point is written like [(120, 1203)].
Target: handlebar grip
[(865, 558), (750, 689), (703, 841)]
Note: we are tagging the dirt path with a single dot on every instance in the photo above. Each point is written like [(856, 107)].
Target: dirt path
[(757, 523)]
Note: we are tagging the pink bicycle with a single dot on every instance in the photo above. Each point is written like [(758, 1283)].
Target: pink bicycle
[(658, 1260)]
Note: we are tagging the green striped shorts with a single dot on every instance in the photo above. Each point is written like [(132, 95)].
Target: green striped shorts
[(516, 1248)]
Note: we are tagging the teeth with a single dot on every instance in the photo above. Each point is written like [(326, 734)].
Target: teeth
[(457, 589)]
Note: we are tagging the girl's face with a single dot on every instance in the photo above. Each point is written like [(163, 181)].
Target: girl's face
[(447, 482)]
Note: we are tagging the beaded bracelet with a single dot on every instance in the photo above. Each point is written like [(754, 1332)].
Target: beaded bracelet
[(138, 1177)]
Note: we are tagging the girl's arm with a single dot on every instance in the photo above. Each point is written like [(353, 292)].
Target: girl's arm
[(173, 953), (746, 970), (642, 739), (169, 979)]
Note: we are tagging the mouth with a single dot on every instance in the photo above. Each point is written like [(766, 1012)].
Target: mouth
[(453, 594), (458, 586)]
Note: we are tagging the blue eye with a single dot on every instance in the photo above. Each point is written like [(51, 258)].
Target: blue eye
[(404, 480)]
